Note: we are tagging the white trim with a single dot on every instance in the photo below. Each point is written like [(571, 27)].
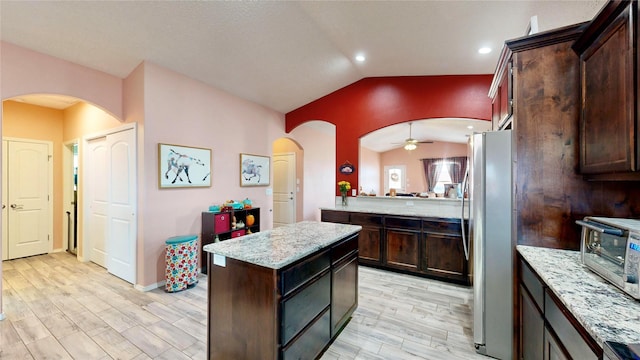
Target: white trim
[(50, 185), (150, 287), (85, 255), (67, 187), (104, 133)]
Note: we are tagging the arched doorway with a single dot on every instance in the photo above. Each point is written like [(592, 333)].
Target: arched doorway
[(287, 182), (66, 122)]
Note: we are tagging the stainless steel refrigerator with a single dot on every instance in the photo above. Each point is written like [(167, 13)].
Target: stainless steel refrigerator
[(490, 196)]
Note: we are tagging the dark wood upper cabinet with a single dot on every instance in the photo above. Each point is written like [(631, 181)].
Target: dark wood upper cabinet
[(609, 148), (501, 93)]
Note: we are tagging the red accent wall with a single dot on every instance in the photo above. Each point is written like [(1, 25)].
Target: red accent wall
[(373, 103)]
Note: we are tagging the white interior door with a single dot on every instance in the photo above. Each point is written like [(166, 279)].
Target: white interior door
[(28, 210), (284, 189), (96, 188), (5, 235), (122, 205), (110, 228)]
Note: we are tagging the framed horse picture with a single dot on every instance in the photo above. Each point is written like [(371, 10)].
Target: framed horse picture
[(183, 166), (254, 170)]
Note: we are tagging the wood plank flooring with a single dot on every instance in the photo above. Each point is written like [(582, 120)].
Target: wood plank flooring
[(59, 308)]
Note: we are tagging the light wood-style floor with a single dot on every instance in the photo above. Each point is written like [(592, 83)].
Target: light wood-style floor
[(59, 308)]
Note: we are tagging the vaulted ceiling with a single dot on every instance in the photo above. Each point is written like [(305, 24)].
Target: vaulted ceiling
[(282, 54)]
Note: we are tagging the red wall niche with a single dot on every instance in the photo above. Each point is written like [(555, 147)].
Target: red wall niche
[(373, 103)]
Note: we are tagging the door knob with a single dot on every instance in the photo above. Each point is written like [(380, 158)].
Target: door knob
[(16, 206)]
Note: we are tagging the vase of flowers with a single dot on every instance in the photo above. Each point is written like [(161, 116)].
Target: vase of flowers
[(344, 187)]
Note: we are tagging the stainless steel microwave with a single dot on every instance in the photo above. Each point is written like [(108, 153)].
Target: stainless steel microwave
[(610, 247)]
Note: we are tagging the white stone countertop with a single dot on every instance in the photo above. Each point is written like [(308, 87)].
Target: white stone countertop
[(607, 313), (284, 245), (403, 206)]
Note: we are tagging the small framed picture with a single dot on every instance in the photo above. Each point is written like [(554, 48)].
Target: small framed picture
[(183, 166), (347, 168), (254, 170)]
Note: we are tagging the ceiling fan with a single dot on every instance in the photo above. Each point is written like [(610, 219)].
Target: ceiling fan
[(411, 144)]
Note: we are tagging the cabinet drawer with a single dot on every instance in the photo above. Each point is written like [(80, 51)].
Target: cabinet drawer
[(298, 274), (221, 223), (300, 309), (237, 233), (341, 217), (311, 342), (532, 284), (573, 342), (344, 248), (366, 219), (442, 227), (402, 223)]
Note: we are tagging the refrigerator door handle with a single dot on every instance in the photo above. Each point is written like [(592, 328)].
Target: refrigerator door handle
[(465, 238)]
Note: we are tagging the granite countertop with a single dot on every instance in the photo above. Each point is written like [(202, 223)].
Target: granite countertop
[(284, 245), (607, 313), (403, 206)]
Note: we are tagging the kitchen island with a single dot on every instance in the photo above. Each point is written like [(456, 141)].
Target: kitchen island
[(565, 308), (284, 293)]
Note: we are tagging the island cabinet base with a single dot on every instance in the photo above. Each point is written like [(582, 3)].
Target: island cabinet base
[(295, 312)]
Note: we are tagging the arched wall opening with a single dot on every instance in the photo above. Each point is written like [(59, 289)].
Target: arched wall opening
[(374, 103)]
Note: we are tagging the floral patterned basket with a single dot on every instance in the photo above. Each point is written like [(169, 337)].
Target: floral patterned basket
[(182, 262)]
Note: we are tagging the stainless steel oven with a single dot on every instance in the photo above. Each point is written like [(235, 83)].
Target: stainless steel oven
[(611, 248)]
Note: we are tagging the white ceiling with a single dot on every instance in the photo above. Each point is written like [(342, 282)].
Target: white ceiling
[(281, 54)]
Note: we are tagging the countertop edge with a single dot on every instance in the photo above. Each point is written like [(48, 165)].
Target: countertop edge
[(275, 248), (614, 326)]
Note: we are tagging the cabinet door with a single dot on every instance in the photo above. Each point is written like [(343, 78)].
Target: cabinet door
[(552, 348), (443, 255), (607, 126), (531, 328), (402, 249), (369, 245), (340, 217), (344, 292)]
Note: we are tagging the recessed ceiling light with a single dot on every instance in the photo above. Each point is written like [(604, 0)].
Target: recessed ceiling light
[(484, 50), (469, 127), (360, 58)]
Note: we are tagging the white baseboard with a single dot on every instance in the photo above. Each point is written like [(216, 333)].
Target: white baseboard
[(149, 287), (2, 317)]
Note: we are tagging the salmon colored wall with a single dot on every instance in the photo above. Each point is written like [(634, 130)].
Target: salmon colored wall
[(28, 72), (180, 110), (416, 181), (369, 172), (373, 103), (286, 145), (27, 121), (319, 160), (133, 108), (85, 119), (81, 120)]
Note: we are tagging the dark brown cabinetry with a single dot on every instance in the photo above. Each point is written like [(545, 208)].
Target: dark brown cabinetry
[(370, 244), (220, 225), (443, 251), (288, 313), (402, 242), (609, 131), (501, 93), (546, 328), (430, 247), (344, 296)]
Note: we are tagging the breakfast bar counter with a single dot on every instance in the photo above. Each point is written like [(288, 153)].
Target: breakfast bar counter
[(282, 293)]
